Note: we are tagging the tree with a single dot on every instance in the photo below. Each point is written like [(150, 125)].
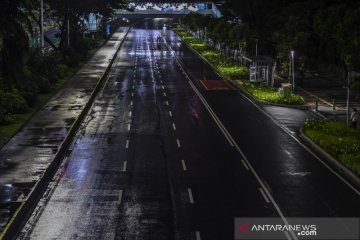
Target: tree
[(14, 42)]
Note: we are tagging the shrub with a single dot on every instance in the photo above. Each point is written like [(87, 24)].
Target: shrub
[(337, 139), (233, 72), (267, 94), (12, 102)]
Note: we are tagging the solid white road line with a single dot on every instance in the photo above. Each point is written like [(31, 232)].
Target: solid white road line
[(170, 113), (178, 143), (198, 237), (183, 165), (127, 144), (264, 195), (124, 167), (191, 198), (287, 235), (174, 126), (245, 165), (120, 197)]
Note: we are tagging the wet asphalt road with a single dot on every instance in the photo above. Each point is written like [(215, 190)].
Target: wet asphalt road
[(151, 163)]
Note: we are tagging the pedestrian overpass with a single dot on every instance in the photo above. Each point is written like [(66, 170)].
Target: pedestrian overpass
[(170, 9)]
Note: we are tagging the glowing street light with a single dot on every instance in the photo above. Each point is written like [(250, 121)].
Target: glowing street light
[(293, 69)]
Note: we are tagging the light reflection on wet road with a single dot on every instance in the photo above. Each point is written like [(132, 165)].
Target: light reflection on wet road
[(151, 163)]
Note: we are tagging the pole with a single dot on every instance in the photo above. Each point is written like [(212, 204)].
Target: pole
[(293, 69), (348, 100), (256, 47), (42, 22), (68, 32), (290, 70)]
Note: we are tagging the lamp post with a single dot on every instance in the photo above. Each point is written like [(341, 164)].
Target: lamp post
[(68, 32), (256, 47), (293, 69), (348, 94), (42, 22)]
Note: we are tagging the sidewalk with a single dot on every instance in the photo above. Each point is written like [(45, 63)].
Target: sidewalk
[(325, 91), (26, 156)]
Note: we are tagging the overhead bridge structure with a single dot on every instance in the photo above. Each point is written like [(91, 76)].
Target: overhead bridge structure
[(138, 9)]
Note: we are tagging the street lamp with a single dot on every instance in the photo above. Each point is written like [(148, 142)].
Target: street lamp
[(42, 22), (256, 47), (293, 69), (348, 94)]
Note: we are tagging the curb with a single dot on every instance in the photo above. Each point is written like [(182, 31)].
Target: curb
[(334, 163), (234, 84), (21, 215)]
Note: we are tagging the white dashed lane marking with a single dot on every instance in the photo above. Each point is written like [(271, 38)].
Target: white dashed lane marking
[(178, 143), (183, 165), (124, 167), (120, 197), (191, 198), (198, 237)]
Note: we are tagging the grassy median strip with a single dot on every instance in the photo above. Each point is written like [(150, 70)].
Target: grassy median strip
[(267, 94), (338, 140), (223, 65), (233, 71)]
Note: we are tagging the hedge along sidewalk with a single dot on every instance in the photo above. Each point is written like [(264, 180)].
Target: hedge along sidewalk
[(231, 72), (338, 143), (25, 157)]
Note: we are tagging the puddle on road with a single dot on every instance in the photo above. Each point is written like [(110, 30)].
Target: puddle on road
[(75, 107), (6, 212), (11, 192), (6, 164), (298, 174), (55, 108), (11, 196), (69, 121)]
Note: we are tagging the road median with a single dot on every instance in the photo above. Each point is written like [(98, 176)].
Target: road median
[(230, 72)]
